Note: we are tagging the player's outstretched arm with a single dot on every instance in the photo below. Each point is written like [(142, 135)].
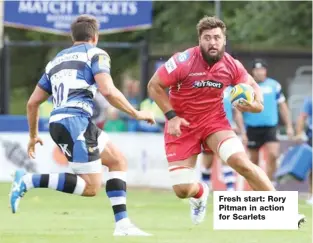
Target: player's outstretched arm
[(118, 100), (38, 96)]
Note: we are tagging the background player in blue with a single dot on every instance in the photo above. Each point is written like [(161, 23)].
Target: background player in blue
[(72, 77), (207, 156), (262, 127), (305, 121)]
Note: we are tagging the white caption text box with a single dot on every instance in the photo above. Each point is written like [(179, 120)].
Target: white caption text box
[(274, 210)]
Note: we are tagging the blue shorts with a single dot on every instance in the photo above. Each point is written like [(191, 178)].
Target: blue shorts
[(81, 141)]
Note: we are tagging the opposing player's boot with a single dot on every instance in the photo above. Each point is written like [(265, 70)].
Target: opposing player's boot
[(125, 228), (301, 220), (18, 190), (198, 206)]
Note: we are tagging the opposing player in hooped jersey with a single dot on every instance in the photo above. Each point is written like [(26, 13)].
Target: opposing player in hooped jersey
[(73, 77), (195, 115)]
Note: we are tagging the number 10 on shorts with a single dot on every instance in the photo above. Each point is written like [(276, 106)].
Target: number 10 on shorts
[(255, 210)]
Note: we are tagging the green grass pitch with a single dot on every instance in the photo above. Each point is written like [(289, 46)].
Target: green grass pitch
[(46, 216)]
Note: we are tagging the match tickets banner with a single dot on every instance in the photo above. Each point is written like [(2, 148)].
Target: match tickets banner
[(57, 16), (255, 210)]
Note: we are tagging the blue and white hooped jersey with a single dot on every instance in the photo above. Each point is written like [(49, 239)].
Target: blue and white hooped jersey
[(69, 77)]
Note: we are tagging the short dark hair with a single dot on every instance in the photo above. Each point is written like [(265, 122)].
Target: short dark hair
[(259, 63), (208, 23), (84, 28)]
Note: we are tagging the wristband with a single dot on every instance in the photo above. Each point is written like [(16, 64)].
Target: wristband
[(170, 114)]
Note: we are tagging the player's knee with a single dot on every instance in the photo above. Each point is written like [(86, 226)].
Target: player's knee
[(229, 148), (182, 178), (272, 155), (114, 160), (181, 191), (91, 190), (120, 161), (241, 164)]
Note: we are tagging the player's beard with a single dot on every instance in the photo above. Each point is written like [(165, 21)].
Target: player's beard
[(211, 59)]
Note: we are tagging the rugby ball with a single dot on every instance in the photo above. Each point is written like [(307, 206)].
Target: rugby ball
[(240, 93)]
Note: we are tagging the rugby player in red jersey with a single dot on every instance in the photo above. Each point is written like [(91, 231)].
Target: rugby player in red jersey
[(196, 79)]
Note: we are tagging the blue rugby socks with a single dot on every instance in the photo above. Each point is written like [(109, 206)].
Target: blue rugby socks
[(206, 176), (116, 191), (229, 178)]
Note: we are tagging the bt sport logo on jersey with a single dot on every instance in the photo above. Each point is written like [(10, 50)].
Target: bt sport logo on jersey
[(207, 84)]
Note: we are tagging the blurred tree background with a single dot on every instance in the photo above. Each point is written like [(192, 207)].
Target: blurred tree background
[(252, 25)]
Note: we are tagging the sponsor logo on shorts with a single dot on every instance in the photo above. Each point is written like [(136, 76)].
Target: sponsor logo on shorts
[(207, 84), (92, 149), (251, 143), (197, 74), (170, 65), (170, 155), (64, 149)]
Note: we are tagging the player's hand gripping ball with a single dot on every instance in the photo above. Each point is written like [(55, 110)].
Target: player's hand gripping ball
[(241, 93)]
